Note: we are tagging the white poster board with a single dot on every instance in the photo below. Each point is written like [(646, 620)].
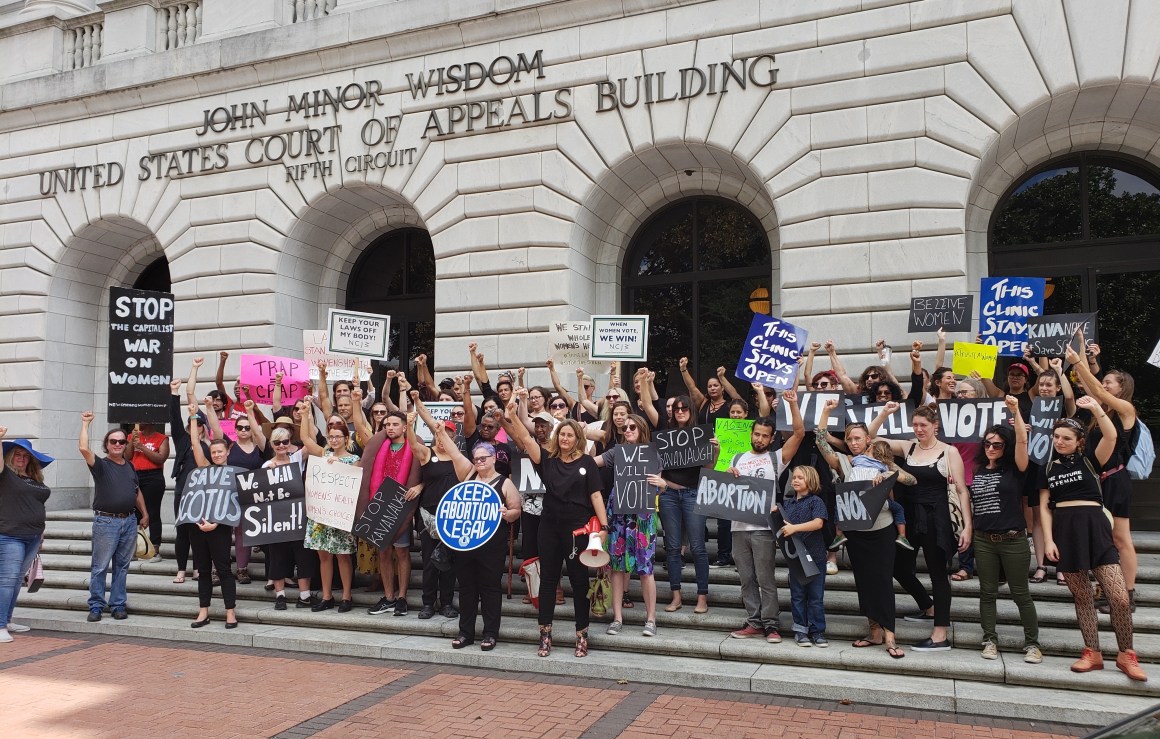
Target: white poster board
[(338, 366), (569, 346), (332, 492), (358, 334), (619, 338), (440, 411), (1154, 359)]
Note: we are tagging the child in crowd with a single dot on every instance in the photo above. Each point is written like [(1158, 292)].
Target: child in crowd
[(805, 514), (880, 458)]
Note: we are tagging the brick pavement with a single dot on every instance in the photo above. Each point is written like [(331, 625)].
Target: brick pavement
[(127, 687)]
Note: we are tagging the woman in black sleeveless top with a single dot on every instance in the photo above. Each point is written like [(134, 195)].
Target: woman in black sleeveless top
[(933, 464)]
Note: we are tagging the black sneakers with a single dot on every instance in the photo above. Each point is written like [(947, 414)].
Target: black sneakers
[(309, 602), (401, 607), (385, 605), (929, 645), (280, 603), (345, 606), (322, 605), (120, 614), (94, 616)]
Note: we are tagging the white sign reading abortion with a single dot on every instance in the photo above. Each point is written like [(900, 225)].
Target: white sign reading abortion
[(358, 334), (619, 338), (338, 366)]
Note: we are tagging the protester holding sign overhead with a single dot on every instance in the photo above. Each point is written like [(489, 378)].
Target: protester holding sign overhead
[(1000, 539), (573, 497), (329, 542), (211, 541), (935, 465), (1079, 537)]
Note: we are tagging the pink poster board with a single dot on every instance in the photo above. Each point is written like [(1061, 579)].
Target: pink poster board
[(258, 371)]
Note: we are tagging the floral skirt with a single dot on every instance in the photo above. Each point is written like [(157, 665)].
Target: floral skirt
[(632, 543), (324, 538)]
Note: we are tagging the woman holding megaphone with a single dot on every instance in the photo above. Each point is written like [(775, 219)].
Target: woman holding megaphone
[(572, 481)]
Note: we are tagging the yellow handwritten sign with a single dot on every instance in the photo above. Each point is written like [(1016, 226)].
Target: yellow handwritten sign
[(979, 358)]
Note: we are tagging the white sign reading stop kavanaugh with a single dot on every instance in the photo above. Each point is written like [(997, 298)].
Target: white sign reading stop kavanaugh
[(358, 334)]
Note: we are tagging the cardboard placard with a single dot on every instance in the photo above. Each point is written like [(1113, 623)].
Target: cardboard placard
[(468, 515), (332, 492), (338, 366), (273, 504), (967, 419), (1005, 304), (617, 338), (797, 556), (441, 411), (211, 494), (733, 437), (948, 312), (858, 503), (357, 334), (570, 346), (1048, 336), (771, 351), (970, 357), (524, 475), (228, 428), (746, 499), (140, 355), (895, 426), (811, 406), (684, 447), (1154, 357), (387, 514), (1044, 413), (258, 371), (631, 466)]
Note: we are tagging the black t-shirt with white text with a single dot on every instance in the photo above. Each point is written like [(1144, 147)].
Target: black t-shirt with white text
[(997, 500)]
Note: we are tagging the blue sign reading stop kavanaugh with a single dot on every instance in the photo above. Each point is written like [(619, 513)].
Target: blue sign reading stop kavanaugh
[(468, 515)]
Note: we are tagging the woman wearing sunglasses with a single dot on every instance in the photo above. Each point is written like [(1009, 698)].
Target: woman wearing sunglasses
[(211, 541), (282, 558), (677, 500), (329, 542), (248, 453)]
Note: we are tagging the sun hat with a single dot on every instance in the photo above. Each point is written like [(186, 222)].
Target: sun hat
[(24, 444)]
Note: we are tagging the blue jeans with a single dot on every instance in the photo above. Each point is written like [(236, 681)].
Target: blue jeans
[(677, 517), (16, 555), (114, 539), (807, 604)]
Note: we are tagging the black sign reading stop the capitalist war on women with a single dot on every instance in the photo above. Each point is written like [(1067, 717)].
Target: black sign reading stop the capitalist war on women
[(140, 355)]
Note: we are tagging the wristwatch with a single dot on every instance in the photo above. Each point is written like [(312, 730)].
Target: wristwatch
[(604, 528)]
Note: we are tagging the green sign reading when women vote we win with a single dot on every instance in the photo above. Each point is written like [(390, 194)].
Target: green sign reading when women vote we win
[(733, 436)]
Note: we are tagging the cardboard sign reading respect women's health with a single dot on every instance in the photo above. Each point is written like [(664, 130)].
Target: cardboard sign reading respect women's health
[(332, 492), (258, 371), (770, 354)]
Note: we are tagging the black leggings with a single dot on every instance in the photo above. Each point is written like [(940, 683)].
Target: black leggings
[(940, 582), (529, 536), (438, 586), (152, 484), (479, 572), (558, 547), (182, 542), (212, 548)]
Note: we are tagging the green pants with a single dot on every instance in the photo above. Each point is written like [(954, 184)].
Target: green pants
[(1015, 557)]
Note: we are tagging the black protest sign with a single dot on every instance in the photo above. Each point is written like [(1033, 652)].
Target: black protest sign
[(745, 499), (684, 447), (140, 355), (525, 477), (967, 419), (798, 557), (948, 312), (386, 515), (811, 406), (858, 503), (631, 466), (1044, 413), (1048, 336), (895, 426), (211, 494), (273, 505)]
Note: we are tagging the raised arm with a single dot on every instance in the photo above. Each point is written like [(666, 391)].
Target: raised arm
[(421, 451), (478, 368), (195, 439), (191, 384), (463, 465), (559, 386), (469, 418), (362, 427), (520, 433), (220, 377), (1021, 457), (276, 393), (695, 394), (1093, 354), (1064, 387), (732, 391), (940, 354), (648, 390), (809, 365), (1107, 443), (790, 447), (898, 447), (83, 440), (1123, 408), (582, 396), (848, 385), (423, 376), (255, 426), (821, 434), (324, 391), (308, 435), (215, 428), (177, 428), (916, 361)]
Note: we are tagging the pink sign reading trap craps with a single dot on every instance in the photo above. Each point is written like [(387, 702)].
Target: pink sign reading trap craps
[(258, 372)]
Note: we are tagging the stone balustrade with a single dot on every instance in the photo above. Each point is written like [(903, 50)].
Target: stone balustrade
[(82, 43)]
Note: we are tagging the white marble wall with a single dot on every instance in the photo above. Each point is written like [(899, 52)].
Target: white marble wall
[(874, 164)]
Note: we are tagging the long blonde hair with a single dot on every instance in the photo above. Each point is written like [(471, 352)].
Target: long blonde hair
[(553, 443), (32, 470)]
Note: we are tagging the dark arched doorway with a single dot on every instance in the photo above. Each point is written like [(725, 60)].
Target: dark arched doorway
[(1090, 223), (155, 277), (692, 268), (395, 276)]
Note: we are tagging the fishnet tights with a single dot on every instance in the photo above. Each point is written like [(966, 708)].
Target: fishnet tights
[(1111, 579)]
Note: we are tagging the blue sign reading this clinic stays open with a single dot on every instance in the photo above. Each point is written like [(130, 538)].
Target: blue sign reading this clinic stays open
[(771, 352), (1005, 304), (468, 515)]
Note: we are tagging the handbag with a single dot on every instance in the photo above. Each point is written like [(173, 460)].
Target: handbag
[(144, 548), (600, 593), (34, 578), (958, 523)]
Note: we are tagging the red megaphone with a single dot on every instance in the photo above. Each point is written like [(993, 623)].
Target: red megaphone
[(593, 554)]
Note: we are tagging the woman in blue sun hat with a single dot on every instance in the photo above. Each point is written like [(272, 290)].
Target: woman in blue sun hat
[(22, 497)]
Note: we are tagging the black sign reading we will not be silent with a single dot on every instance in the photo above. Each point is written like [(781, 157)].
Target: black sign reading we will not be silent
[(273, 503), (140, 355)]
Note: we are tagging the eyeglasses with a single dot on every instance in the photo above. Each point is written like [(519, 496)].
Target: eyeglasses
[(281, 442), (612, 396), (378, 413), (630, 427), (684, 408), (823, 385), (458, 414), (872, 375), (994, 444), (241, 428), (558, 406), (481, 460), (118, 442)]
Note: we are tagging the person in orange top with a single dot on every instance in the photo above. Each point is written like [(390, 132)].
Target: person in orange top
[(147, 452)]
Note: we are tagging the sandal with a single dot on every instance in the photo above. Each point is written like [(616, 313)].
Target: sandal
[(895, 651), (487, 644), (180, 577), (527, 600), (582, 643), (243, 577), (626, 602), (866, 641), (545, 641), (559, 597), (1059, 580), (1039, 575), (461, 641), (961, 576)]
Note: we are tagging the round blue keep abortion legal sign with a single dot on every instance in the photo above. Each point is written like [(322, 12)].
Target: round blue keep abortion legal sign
[(468, 515)]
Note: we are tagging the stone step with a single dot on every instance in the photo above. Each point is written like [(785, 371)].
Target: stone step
[(944, 682)]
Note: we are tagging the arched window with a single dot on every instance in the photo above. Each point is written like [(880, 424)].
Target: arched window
[(1090, 223), (395, 276), (692, 268), (155, 277)]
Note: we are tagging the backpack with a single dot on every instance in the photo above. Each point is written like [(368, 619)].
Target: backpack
[(1143, 453)]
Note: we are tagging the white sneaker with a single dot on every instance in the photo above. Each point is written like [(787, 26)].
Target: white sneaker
[(1032, 655), (990, 651), (156, 558), (16, 628), (5, 636), (831, 568)]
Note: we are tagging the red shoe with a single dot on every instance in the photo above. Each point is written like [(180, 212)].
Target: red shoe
[(746, 632), (1092, 660), (1130, 666)]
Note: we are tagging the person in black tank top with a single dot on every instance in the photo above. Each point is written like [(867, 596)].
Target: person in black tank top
[(438, 474)]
